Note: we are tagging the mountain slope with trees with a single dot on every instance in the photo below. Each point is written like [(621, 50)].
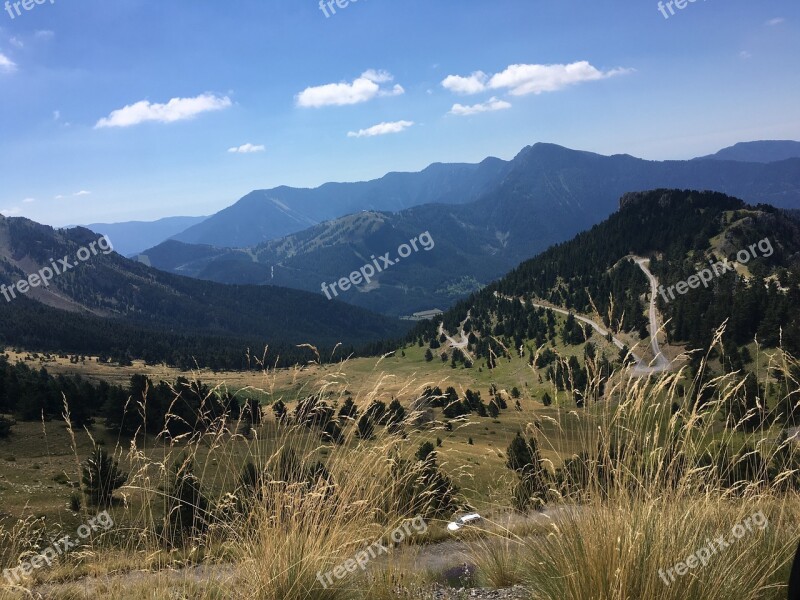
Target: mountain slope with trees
[(680, 231), (109, 304)]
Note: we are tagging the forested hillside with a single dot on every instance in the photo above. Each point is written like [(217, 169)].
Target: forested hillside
[(680, 231), (117, 307)]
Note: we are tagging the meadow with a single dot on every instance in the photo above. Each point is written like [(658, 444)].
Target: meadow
[(631, 486)]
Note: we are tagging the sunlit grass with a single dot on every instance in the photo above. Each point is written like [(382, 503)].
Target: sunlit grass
[(651, 485)]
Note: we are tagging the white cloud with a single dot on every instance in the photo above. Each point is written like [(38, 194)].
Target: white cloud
[(535, 79), (15, 41), (177, 109), (246, 149), (56, 115), (745, 54), (466, 85), (490, 105), (29, 200), (377, 76), (9, 212), (44, 34), (523, 79), (363, 89), (381, 129), (775, 21), (397, 90), (75, 195), (6, 64)]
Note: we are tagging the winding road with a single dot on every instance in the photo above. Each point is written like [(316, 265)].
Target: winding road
[(464, 343), (660, 363)]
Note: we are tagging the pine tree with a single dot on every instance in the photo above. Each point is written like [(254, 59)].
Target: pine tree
[(348, 410), (494, 412), (186, 505), (101, 476), (394, 416), (425, 450), (524, 459), (366, 427), (279, 408)]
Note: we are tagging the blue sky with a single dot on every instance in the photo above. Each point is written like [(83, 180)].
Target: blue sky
[(128, 109)]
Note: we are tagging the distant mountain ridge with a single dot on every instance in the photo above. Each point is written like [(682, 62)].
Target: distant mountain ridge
[(263, 215), (545, 195), (760, 151), (133, 237)]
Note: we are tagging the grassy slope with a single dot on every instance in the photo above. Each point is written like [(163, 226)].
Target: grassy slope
[(42, 452), (630, 536)]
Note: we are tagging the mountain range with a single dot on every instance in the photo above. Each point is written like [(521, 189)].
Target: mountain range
[(264, 215), (485, 219)]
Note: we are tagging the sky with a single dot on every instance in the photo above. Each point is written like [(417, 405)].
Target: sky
[(120, 110)]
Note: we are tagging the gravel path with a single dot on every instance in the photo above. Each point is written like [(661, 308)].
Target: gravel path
[(443, 593)]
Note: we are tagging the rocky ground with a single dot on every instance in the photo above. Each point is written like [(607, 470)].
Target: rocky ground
[(445, 593)]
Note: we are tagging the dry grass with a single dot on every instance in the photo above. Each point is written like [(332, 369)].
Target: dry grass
[(652, 487), (654, 490)]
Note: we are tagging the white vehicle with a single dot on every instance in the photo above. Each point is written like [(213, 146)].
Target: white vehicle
[(470, 519)]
